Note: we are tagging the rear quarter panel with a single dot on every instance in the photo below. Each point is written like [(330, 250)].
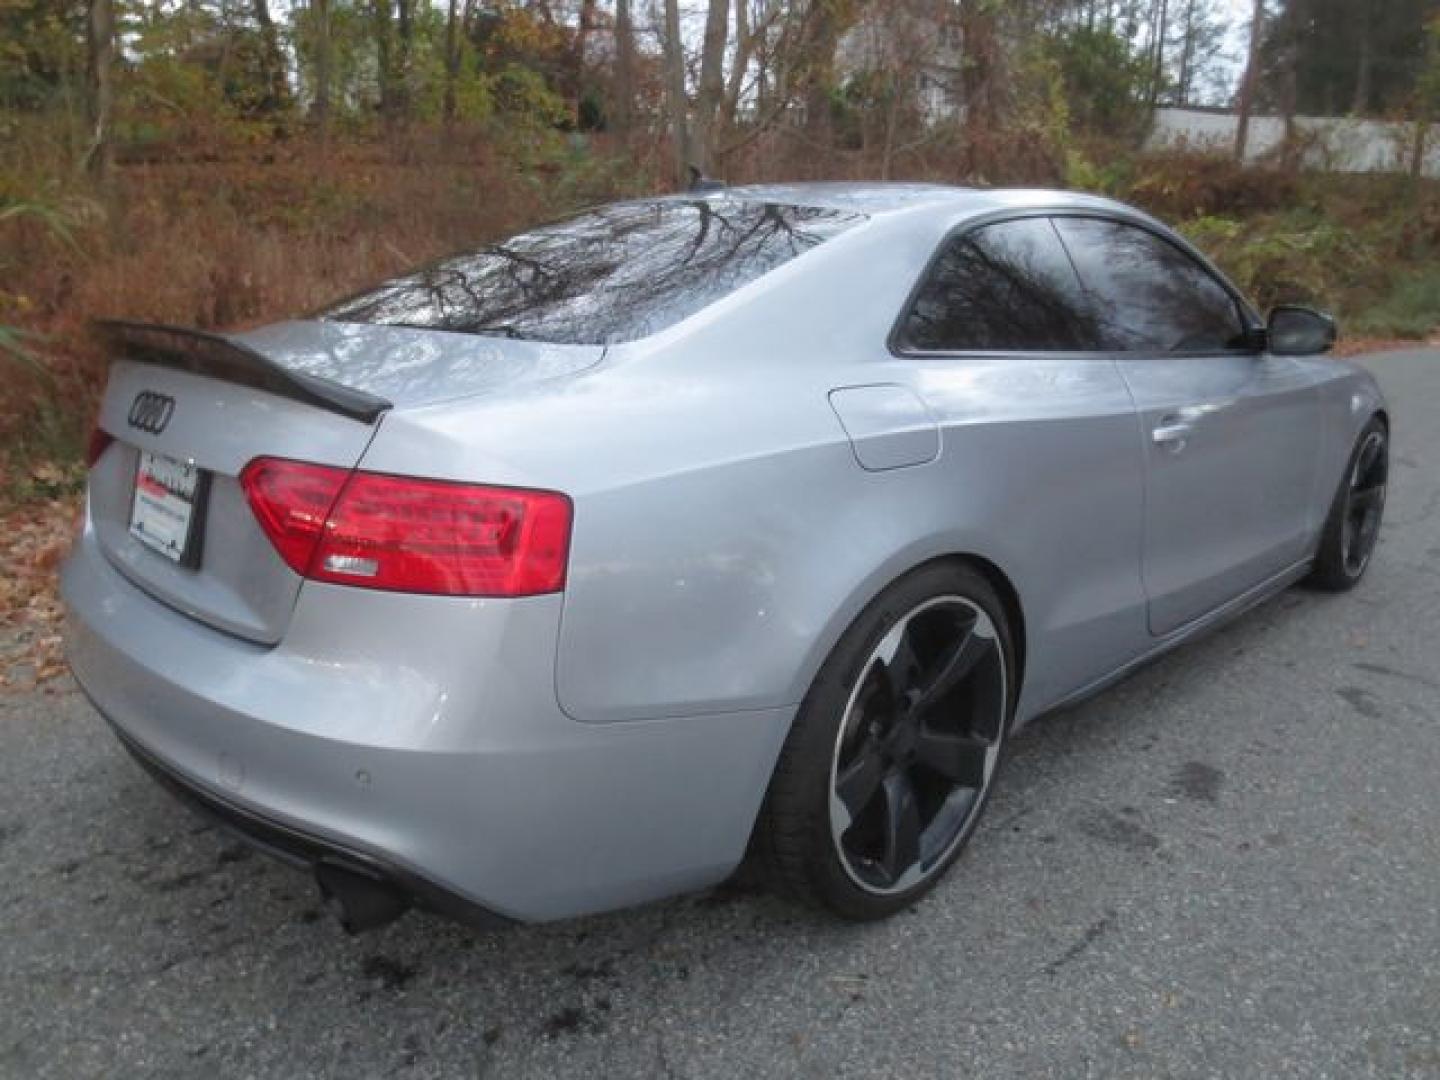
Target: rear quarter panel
[(725, 534)]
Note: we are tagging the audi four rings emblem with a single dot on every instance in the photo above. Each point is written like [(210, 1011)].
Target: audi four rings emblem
[(151, 411)]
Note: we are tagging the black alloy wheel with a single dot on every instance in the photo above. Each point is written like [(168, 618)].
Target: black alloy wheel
[(895, 749)]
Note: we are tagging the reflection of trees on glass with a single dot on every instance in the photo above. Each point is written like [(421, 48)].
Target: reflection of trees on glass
[(1150, 295), (613, 274), (1005, 287)]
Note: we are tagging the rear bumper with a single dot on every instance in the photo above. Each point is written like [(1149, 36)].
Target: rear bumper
[(321, 857), (419, 738)]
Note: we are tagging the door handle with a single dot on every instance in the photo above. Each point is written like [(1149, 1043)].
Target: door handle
[(1173, 433), (1175, 429)]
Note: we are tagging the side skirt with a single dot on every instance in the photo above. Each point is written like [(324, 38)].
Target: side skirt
[(1225, 613)]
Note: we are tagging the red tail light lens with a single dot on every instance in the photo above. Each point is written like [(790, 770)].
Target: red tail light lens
[(100, 440), (411, 535), (292, 500)]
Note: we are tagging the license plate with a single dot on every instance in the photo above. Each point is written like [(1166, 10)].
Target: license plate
[(163, 515)]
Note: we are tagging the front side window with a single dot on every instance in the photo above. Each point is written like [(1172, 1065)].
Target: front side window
[(614, 274), (1150, 295), (1007, 287)]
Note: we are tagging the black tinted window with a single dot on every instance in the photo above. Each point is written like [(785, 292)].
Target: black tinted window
[(1149, 294), (613, 274), (1007, 287)]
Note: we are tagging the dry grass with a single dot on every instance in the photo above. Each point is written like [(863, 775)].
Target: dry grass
[(230, 243)]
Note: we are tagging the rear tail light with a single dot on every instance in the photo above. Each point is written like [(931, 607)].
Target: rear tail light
[(100, 440), (292, 500), (410, 535)]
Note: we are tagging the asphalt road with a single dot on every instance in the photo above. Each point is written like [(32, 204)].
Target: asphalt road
[(1227, 866)]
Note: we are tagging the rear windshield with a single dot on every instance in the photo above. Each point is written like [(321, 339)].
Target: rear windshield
[(609, 275)]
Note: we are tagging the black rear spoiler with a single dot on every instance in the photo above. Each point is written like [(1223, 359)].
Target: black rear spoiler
[(220, 357)]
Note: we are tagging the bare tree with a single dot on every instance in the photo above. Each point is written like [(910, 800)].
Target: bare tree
[(711, 89), (579, 59), (1360, 104), (405, 36), (1426, 97), (1157, 60), (981, 78), (100, 41), (623, 105), (1247, 82), (384, 69), (320, 107), (675, 89), (818, 42), (272, 60), (452, 61)]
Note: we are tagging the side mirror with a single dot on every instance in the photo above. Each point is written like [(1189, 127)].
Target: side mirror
[(1299, 331)]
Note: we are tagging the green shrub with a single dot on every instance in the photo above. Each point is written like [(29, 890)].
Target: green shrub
[(1292, 258), (1411, 308), (1182, 184)]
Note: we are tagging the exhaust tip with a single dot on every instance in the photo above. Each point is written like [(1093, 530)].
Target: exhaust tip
[(359, 900)]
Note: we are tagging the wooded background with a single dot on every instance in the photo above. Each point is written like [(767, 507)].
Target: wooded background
[(225, 162)]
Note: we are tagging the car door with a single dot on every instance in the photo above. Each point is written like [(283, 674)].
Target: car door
[(1230, 434), (1037, 463)]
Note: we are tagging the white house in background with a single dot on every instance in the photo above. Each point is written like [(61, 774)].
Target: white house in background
[(1328, 143), (927, 51)]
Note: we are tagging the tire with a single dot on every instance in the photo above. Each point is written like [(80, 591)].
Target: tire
[(925, 675), (1352, 527)]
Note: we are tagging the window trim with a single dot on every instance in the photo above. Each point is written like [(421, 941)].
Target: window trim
[(893, 341)]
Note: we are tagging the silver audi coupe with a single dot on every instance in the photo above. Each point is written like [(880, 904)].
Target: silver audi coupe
[(564, 573)]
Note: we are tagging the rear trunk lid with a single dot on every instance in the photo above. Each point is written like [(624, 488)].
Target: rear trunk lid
[(410, 367), (197, 408)]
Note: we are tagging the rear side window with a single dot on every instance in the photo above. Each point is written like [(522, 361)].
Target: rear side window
[(1150, 295), (614, 274), (1005, 287)]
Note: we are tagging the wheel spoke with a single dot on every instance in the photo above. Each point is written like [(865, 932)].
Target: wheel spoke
[(902, 667), (961, 759), (1368, 456), (1366, 498), (902, 825), (958, 663), (858, 782)]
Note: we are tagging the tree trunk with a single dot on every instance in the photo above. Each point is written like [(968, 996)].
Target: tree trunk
[(272, 59), (896, 87), (675, 91), (1157, 71), (1427, 99), (623, 105), (1247, 82), (100, 42), (384, 70), (452, 61), (578, 57), (712, 84), (818, 65), (1187, 56), (320, 107), (979, 81), (1289, 101), (744, 50), (1360, 104), (404, 24)]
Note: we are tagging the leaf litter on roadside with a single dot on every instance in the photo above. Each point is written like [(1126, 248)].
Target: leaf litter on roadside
[(34, 539)]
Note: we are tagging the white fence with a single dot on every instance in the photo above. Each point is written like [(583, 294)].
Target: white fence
[(1330, 143)]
